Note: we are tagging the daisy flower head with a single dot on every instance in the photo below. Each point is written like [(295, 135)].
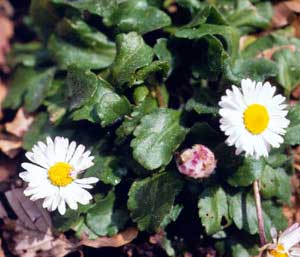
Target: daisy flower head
[(196, 162), (52, 174), (253, 118), (286, 244)]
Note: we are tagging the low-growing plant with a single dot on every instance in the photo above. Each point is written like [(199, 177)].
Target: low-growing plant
[(139, 81)]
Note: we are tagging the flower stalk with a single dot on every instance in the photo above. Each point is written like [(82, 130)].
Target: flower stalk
[(260, 219)]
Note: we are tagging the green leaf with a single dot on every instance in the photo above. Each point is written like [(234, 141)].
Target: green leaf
[(80, 34), (276, 160), (239, 251), (200, 108), (242, 210), (292, 135), (98, 7), (108, 169), (162, 52), (44, 16), (248, 15), (151, 199), (157, 137), (38, 89), (131, 122), (130, 15), (274, 211), (28, 54), (258, 69), (230, 35), (81, 230), (102, 219), (288, 64), (275, 183), (203, 133), (56, 101), (172, 216), (160, 67), (249, 171), (137, 15), (40, 129), (132, 54), (30, 85), (95, 98), (66, 54), (213, 208), (70, 219), (81, 86)]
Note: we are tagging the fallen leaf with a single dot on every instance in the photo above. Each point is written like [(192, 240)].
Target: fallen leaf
[(20, 123), (296, 92), (6, 8), (3, 213), (32, 234), (1, 250), (3, 93), (268, 53), (293, 5), (6, 32), (7, 169), (30, 213), (118, 240), (10, 145), (296, 27), (281, 15)]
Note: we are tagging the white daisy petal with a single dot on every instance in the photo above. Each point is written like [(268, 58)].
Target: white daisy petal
[(52, 174), (253, 118), (286, 244), (62, 206)]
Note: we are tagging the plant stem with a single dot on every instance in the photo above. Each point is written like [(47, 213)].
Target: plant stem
[(260, 219)]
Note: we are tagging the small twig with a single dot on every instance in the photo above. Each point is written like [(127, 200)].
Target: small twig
[(260, 219)]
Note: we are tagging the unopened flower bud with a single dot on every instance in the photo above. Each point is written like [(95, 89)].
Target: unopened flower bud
[(196, 162)]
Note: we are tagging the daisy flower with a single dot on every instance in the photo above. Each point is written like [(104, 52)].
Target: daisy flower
[(253, 118), (286, 244), (52, 175)]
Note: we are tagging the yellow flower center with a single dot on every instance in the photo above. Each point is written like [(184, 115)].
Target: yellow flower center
[(256, 118), (278, 251), (60, 174)]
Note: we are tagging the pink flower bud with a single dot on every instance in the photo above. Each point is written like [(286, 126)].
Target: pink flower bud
[(196, 162)]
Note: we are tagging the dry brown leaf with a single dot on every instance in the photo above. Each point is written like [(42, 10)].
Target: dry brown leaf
[(29, 243), (296, 92), (3, 213), (118, 240), (3, 93), (296, 27), (10, 145), (7, 168), (1, 250), (6, 8), (268, 53), (6, 32), (32, 235), (20, 124), (284, 13), (281, 15), (30, 213), (293, 5)]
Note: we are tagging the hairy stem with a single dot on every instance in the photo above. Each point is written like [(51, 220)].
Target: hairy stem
[(260, 219)]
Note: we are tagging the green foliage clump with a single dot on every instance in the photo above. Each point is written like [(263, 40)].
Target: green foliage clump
[(136, 83)]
